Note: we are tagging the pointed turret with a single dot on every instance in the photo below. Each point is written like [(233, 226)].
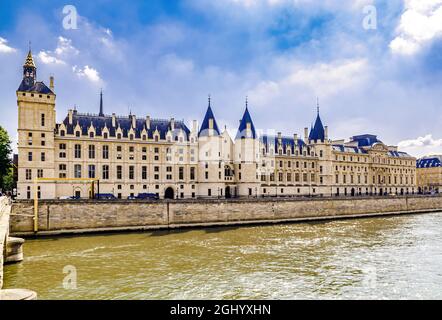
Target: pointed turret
[(317, 133), (246, 128), (29, 60), (209, 127)]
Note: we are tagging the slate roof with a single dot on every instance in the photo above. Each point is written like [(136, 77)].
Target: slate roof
[(365, 140), (204, 131), (125, 123), (38, 87), (287, 143), (317, 132), (428, 163), (242, 132)]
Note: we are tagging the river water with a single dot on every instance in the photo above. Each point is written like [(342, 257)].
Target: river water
[(382, 258)]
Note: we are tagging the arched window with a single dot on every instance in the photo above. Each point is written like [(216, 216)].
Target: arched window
[(62, 133), (119, 136)]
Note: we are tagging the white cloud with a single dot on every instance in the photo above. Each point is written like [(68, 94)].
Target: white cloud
[(324, 78), (46, 58), (4, 48), (64, 50), (422, 146), (87, 72), (420, 23)]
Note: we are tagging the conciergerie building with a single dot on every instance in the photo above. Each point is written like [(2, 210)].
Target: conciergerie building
[(131, 155)]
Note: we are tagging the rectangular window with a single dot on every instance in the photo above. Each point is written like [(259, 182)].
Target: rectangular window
[(119, 172), (29, 156), (192, 173), (40, 173), (105, 152), (43, 157), (77, 171), (105, 172), (28, 174), (144, 173), (42, 119), (62, 148), (91, 171), (91, 151), (181, 173), (77, 151), (131, 172)]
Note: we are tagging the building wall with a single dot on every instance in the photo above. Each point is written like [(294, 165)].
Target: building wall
[(429, 179)]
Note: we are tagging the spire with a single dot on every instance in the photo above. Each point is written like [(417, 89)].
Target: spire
[(101, 114), (209, 124), (246, 128), (29, 60), (317, 104), (317, 131)]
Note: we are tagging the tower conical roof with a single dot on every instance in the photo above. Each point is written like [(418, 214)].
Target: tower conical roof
[(204, 131), (318, 131), (242, 130)]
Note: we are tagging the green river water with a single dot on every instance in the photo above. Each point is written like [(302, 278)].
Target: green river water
[(382, 258)]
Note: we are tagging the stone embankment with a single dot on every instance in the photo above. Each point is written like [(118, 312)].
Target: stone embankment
[(81, 216), (10, 251)]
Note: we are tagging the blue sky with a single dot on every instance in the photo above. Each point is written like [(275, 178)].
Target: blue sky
[(162, 58)]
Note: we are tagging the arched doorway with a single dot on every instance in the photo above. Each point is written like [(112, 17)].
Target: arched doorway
[(227, 193), (169, 193)]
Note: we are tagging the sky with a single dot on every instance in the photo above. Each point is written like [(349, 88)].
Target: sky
[(374, 66)]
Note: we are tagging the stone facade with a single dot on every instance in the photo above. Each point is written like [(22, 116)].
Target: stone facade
[(429, 174), (130, 155), (92, 216)]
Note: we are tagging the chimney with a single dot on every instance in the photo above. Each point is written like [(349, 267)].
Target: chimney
[(295, 137), (306, 135), (210, 123), (71, 116), (114, 120), (148, 122), (279, 135), (172, 124), (326, 133), (51, 83), (134, 121), (194, 126)]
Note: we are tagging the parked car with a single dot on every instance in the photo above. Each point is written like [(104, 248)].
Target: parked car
[(105, 196), (131, 198), (147, 196)]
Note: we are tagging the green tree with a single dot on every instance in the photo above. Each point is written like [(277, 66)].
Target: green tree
[(5, 156)]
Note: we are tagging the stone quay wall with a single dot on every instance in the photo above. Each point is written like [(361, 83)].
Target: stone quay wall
[(80, 216), (4, 230)]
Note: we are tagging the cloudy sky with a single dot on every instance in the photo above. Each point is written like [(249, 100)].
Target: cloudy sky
[(374, 71)]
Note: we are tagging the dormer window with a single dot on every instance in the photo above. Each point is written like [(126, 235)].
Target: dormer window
[(156, 138), (144, 137), (119, 136), (91, 134), (131, 137), (105, 135), (77, 133), (62, 133)]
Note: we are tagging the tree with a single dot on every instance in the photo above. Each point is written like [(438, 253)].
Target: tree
[(5, 153)]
